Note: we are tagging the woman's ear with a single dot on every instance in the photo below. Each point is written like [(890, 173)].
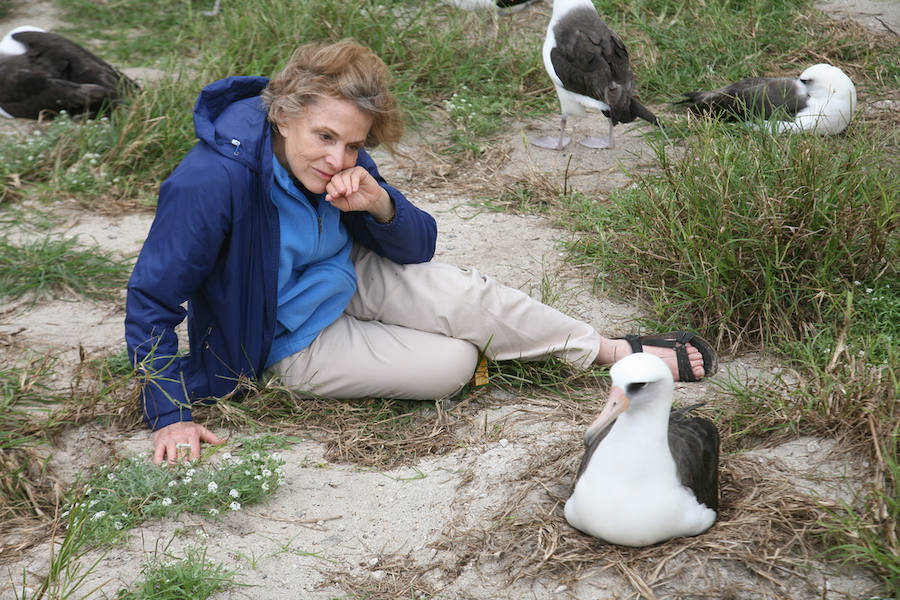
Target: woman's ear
[(279, 122)]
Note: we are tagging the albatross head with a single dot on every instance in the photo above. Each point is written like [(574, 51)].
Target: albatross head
[(826, 83), (640, 382)]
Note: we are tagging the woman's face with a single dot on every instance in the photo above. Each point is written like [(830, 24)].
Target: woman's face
[(324, 140)]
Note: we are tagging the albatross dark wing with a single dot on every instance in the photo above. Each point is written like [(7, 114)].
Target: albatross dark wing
[(26, 93), (749, 99), (62, 58), (91, 80), (591, 60), (589, 57), (694, 443)]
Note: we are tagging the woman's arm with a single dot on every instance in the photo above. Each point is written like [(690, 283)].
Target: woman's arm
[(191, 225)]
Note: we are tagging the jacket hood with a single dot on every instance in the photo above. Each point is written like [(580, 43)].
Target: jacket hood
[(229, 116)]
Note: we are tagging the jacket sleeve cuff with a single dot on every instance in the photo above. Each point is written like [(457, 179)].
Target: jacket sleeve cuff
[(166, 420), (163, 403), (397, 210)]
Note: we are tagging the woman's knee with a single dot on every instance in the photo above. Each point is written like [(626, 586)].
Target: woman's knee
[(453, 368)]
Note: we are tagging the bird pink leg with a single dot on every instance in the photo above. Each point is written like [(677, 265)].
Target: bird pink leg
[(553, 143), (600, 142)]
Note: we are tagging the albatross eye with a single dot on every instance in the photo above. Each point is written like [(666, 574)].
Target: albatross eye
[(631, 388), (805, 81)]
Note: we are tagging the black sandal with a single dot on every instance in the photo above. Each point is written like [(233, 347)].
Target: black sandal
[(678, 340)]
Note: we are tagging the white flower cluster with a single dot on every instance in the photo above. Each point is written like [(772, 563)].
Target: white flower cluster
[(46, 149), (108, 501), (460, 107)]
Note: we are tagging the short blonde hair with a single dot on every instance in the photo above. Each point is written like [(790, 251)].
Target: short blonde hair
[(345, 70)]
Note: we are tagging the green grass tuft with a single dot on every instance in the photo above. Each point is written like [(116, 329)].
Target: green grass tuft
[(753, 238), (56, 266), (168, 577)]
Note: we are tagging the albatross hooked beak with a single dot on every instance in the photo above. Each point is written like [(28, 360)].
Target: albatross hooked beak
[(615, 405)]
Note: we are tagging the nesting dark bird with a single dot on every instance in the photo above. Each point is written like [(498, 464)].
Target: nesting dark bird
[(821, 100), (589, 67), (649, 473), (45, 73)]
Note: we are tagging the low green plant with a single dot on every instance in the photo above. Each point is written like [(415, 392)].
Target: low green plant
[(55, 266), (116, 365), (65, 154), (473, 117), (122, 496), (169, 577)]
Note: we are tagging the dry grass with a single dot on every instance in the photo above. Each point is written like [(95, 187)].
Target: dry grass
[(398, 577), (30, 490), (30, 496)]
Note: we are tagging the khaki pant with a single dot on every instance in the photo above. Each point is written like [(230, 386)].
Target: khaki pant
[(416, 331)]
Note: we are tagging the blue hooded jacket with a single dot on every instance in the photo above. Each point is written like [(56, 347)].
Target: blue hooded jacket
[(214, 244)]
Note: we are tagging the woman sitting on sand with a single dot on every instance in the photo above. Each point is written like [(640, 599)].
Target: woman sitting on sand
[(296, 258)]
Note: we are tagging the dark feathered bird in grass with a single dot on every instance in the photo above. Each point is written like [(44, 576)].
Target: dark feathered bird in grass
[(649, 473), (42, 73), (821, 100), (590, 69)]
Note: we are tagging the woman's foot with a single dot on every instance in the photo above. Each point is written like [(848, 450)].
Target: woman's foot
[(612, 350)]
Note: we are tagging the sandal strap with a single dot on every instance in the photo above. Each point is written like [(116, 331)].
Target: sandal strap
[(678, 342), (685, 373), (635, 342)]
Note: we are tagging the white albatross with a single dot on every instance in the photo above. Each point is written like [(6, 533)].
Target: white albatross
[(590, 69), (648, 473), (822, 100), (42, 71)]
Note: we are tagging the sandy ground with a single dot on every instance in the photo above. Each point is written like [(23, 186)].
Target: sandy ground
[(335, 523)]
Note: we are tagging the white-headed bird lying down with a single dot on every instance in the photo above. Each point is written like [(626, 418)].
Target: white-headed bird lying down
[(821, 100)]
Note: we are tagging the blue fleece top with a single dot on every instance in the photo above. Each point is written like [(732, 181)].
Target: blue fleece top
[(316, 278), (215, 244)]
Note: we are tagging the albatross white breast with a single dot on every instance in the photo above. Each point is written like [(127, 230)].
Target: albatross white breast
[(590, 69), (821, 100), (41, 71), (648, 473)]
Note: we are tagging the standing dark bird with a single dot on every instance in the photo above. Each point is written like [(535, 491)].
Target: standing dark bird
[(821, 100), (648, 473), (589, 66), (42, 71)]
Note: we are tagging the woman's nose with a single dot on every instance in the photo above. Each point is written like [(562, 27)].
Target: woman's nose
[(335, 158)]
